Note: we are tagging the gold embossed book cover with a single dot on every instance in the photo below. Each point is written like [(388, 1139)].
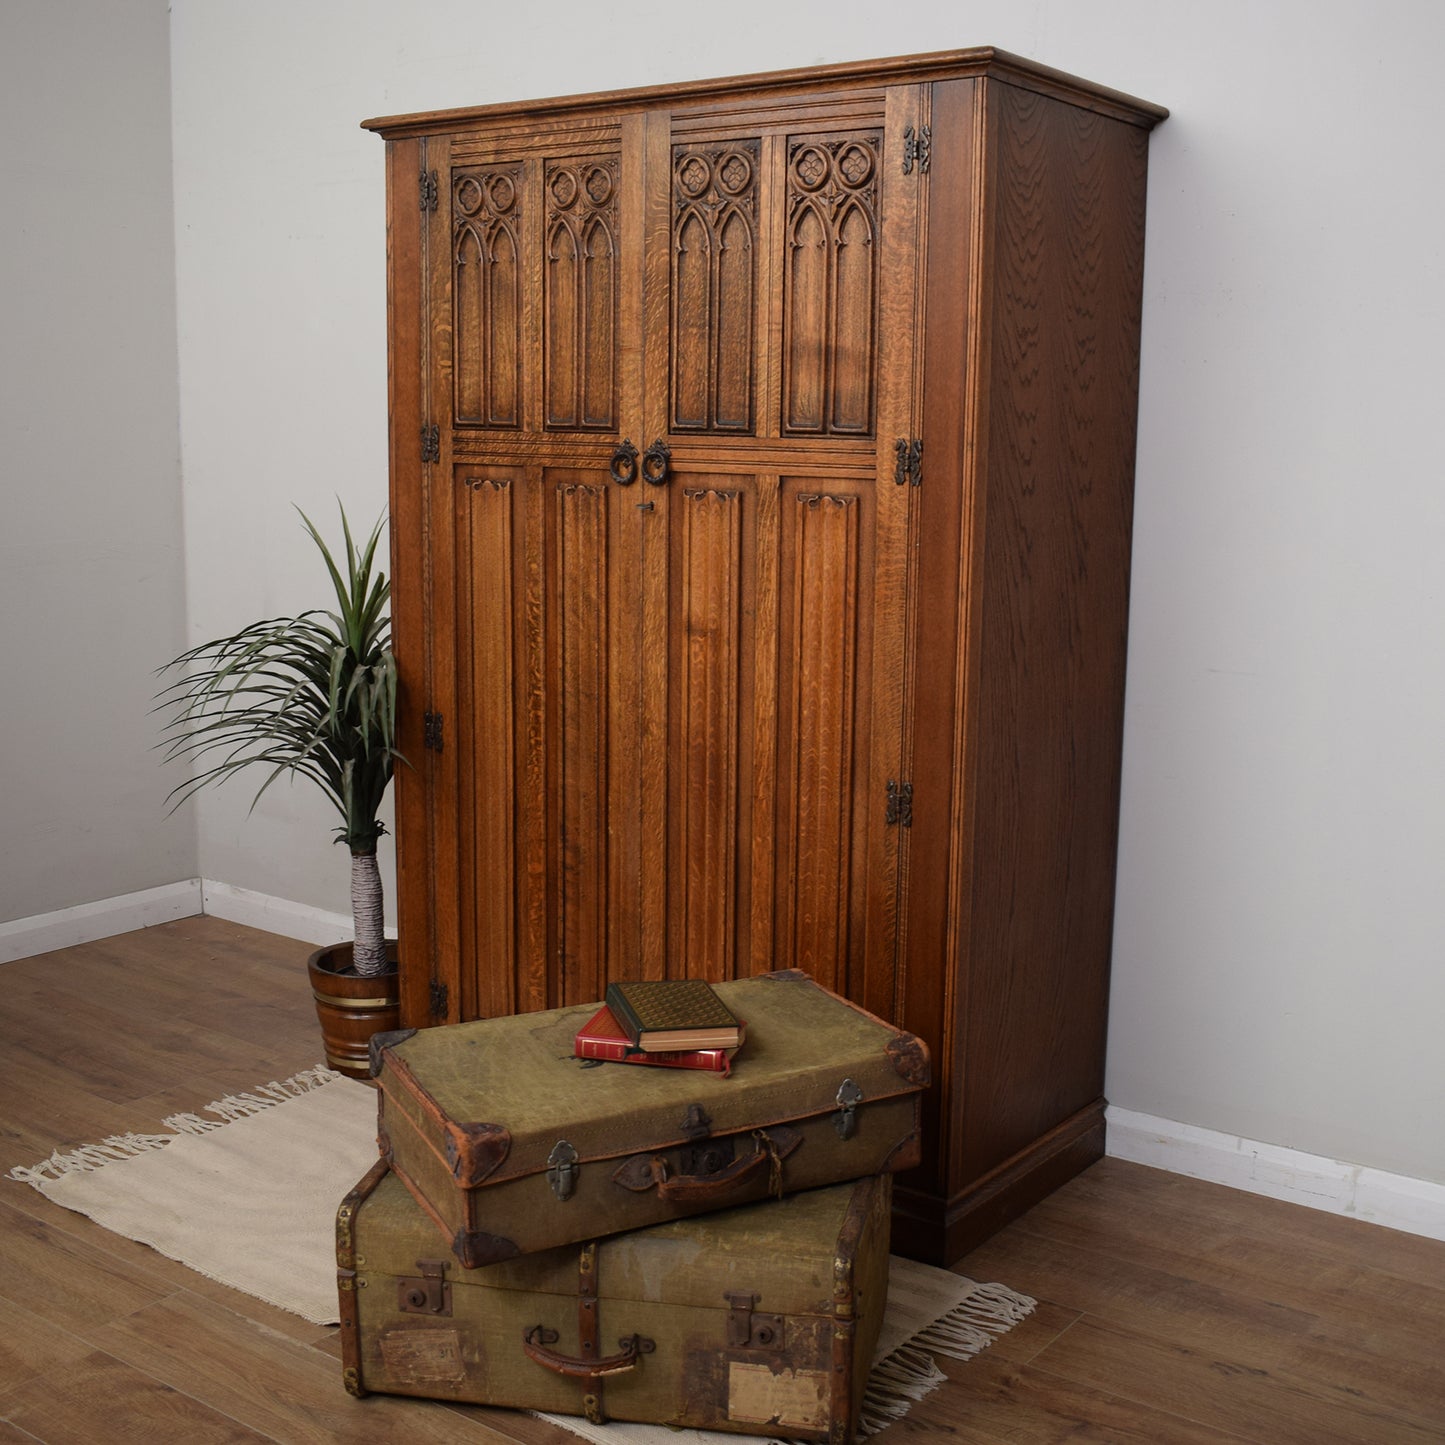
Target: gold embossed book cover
[(682, 1013)]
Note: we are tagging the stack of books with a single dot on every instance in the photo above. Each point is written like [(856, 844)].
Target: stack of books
[(670, 1023)]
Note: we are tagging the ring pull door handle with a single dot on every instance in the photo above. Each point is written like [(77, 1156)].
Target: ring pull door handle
[(656, 461), (623, 466)]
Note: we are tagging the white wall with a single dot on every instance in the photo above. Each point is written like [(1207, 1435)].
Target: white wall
[(91, 574), (1279, 970)]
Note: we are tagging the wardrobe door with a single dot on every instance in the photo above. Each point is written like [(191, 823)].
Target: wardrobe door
[(534, 280), (775, 624)]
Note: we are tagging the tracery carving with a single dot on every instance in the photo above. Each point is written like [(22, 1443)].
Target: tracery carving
[(714, 285), (580, 292), (831, 280), (487, 296)]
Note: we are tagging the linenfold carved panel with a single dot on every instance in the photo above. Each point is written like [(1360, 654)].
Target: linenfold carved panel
[(714, 285), (710, 660), (487, 296), (580, 293), (488, 772), (580, 522), (825, 603), (831, 284)]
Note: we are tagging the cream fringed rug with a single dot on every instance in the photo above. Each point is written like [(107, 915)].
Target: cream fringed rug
[(246, 1193)]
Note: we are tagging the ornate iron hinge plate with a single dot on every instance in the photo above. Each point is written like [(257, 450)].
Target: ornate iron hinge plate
[(428, 189), (431, 723), (908, 461), (900, 804), (431, 443), (917, 147)]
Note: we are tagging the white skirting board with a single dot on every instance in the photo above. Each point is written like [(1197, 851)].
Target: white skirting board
[(67, 927), (1395, 1201), (107, 917)]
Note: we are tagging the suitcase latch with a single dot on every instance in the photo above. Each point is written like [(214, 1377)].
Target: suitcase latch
[(696, 1124), (849, 1097), (562, 1169), (749, 1330), (429, 1295)]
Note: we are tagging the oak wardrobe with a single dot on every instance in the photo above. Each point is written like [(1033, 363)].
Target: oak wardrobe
[(762, 462)]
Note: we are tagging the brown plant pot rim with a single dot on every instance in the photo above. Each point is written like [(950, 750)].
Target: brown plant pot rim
[(333, 964)]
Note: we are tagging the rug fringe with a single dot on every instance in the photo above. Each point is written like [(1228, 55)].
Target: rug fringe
[(910, 1373), (90, 1157)]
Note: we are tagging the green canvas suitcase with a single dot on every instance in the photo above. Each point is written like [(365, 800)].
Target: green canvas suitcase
[(761, 1320), (511, 1144)]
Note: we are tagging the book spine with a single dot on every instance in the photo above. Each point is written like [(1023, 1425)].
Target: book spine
[(624, 1013), (618, 1051)]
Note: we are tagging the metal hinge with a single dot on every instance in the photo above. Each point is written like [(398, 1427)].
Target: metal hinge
[(431, 443), (917, 146), (429, 1295), (908, 461), (427, 185), (437, 999), (900, 804), (431, 734)]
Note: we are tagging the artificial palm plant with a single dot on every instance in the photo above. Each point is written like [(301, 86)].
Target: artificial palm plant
[(314, 696)]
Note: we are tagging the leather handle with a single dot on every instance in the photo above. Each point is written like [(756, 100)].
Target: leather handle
[(770, 1147), (536, 1340)]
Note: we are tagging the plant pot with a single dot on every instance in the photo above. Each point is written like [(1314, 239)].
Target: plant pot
[(351, 1008)]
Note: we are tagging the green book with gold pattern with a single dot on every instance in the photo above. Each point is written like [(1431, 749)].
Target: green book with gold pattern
[(660, 1015)]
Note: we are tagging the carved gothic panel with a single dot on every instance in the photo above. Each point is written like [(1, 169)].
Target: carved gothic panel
[(714, 282), (580, 293), (487, 297), (831, 285)]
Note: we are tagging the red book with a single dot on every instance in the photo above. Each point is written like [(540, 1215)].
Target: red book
[(601, 1037)]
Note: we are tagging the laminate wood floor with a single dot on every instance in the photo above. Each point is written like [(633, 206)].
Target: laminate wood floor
[(1170, 1310)]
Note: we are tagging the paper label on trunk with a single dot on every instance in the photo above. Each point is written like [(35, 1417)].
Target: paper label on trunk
[(790, 1397), (424, 1356)]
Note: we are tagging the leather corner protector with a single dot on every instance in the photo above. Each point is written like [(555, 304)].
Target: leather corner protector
[(389, 1038), (475, 1150), (474, 1248), (907, 1153), (909, 1056)]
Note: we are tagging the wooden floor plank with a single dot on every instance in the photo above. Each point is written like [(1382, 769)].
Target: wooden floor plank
[(98, 1398), (1254, 1403), (1170, 1310), (268, 1382)]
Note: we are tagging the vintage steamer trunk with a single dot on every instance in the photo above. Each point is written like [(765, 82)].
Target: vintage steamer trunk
[(512, 1144), (759, 1320)]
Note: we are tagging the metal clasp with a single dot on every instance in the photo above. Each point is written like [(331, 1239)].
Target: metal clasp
[(429, 1295), (562, 1169), (696, 1124), (849, 1097), (748, 1330)]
